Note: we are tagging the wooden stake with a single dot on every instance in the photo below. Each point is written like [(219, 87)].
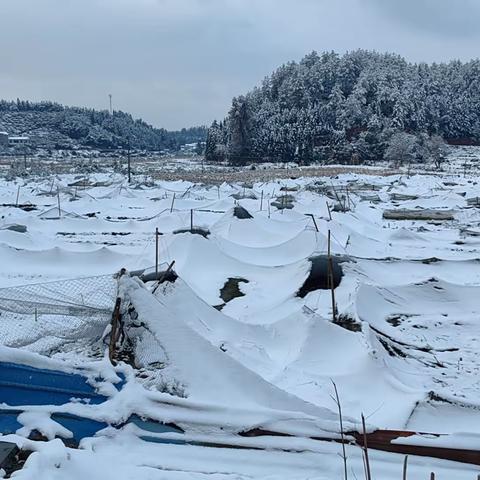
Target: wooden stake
[(329, 211), (191, 220), (173, 201), (18, 193), (261, 202), (115, 331), (156, 253), (432, 476), (58, 201), (164, 276)]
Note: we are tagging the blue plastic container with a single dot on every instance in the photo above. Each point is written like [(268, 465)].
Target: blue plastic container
[(24, 385)]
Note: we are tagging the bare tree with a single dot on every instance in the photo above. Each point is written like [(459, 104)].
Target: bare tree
[(401, 148)]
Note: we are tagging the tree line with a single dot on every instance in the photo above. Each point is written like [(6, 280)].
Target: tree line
[(54, 125), (360, 106)]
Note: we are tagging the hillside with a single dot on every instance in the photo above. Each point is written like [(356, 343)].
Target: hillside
[(331, 108), (54, 126)]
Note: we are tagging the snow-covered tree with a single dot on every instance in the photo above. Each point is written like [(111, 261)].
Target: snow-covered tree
[(338, 104), (401, 149)]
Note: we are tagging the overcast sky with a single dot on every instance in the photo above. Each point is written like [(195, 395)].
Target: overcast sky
[(178, 63)]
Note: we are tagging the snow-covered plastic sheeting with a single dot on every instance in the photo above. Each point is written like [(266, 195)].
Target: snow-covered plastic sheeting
[(204, 374)]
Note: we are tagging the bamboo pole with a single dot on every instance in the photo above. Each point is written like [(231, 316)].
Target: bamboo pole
[(329, 211), (314, 221), (331, 280)]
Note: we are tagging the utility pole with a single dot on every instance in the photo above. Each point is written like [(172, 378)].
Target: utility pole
[(156, 253), (129, 176)]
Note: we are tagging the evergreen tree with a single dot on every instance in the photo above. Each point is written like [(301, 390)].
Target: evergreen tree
[(331, 106)]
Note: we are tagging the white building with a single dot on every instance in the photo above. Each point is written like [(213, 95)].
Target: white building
[(18, 141)]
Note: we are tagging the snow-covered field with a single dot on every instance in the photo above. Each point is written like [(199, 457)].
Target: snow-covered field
[(404, 351)]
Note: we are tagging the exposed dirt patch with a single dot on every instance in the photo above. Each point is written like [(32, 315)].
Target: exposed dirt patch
[(318, 278)]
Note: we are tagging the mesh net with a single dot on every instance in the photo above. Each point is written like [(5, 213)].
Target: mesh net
[(56, 316)]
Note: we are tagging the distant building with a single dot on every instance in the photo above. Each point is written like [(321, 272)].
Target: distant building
[(18, 141), (3, 139)]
